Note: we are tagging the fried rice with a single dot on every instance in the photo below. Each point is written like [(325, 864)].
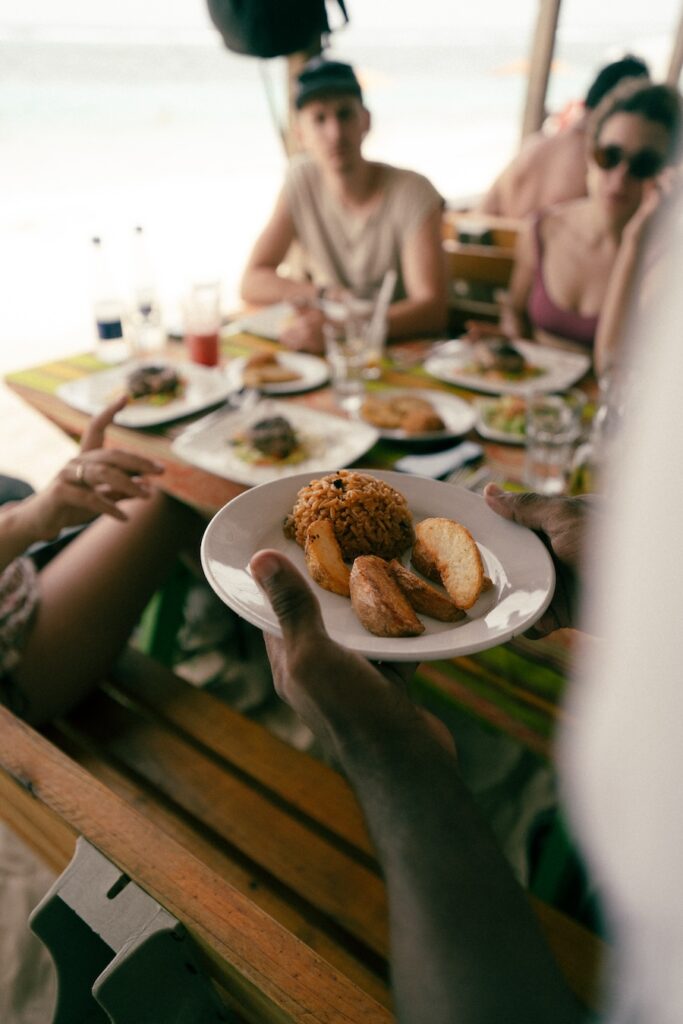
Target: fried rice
[(368, 515)]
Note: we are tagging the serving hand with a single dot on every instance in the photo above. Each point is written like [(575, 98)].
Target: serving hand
[(331, 688), (92, 483), (561, 525)]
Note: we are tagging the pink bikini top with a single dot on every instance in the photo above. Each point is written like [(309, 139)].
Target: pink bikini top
[(546, 315)]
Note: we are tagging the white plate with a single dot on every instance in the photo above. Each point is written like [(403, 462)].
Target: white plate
[(515, 559), (561, 368), (204, 386), (459, 416), (493, 433), (313, 373), (333, 442), (264, 323)]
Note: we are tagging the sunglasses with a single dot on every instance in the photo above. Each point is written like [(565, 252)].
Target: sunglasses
[(644, 164)]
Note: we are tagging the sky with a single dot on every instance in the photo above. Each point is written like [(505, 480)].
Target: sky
[(436, 16)]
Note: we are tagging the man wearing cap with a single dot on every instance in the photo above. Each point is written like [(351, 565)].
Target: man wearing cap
[(354, 220)]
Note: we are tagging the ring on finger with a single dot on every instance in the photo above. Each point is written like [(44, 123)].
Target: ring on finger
[(80, 474)]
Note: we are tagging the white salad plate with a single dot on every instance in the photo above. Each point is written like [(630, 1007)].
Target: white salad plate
[(457, 415), (514, 558), (203, 387), (491, 433), (328, 441), (560, 369), (312, 373)]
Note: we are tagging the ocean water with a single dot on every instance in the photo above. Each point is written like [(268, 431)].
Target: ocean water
[(98, 134)]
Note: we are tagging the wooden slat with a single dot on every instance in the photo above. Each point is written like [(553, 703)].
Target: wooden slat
[(481, 263), (39, 827), (314, 868), (252, 884), (580, 954), (503, 230), (273, 976), (246, 745)]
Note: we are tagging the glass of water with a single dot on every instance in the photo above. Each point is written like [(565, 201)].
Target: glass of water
[(346, 357), (553, 427)]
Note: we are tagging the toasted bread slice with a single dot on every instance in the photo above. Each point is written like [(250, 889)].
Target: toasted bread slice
[(423, 597), (324, 558), (378, 601), (452, 548)]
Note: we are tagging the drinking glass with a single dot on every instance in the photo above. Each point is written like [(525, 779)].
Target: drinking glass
[(553, 426), (367, 332), (346, 356), (202, 322)]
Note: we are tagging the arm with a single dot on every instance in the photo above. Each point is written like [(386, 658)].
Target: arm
[(425, 309), (88, 485), (619, 294), (464, 944), (261, 283), (514, 320)]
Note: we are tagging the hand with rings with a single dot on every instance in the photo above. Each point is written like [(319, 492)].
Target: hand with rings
[(91, 484)]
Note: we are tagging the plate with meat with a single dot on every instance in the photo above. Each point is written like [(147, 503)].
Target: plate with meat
[(404, 568), (499, 367), (271, 440), (158, 391), (417, 415)]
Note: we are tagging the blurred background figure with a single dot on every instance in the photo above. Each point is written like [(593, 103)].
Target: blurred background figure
[(570, 257), (354, 219), (552, 168)]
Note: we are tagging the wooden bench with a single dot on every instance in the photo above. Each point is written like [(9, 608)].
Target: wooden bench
[(258, 849), (480, 255)]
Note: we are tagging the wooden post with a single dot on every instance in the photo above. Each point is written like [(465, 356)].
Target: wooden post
[(676, 61), (541, 59)]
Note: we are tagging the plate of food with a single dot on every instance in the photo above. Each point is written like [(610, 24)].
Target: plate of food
[(419, 415), (499, 367), (268, 322), (502, 419), (158, 391), (278, 373), (405, 568), (272, 440)]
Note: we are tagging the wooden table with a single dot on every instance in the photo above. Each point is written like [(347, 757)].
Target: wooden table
[(516, 687)]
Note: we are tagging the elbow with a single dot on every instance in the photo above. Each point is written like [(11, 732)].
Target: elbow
[(247, 291)]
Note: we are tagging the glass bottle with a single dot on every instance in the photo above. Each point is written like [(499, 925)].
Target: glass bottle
[(149, 334), (108, 308)]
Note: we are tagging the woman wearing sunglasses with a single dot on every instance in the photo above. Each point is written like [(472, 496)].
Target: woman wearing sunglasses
[(575, 260)]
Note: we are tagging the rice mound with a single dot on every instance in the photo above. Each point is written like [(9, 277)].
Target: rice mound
[(369, 516)]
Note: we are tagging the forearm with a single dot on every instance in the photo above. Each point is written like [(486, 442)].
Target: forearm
[(613, 313), (514, 323), (17, 531), (411, 317), (263, 285), (465, 945)]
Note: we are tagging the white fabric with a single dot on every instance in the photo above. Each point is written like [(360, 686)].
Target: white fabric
[(623, 765)]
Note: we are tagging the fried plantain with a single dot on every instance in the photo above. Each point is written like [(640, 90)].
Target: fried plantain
[(379, 602), (423, 597), (324, 558)]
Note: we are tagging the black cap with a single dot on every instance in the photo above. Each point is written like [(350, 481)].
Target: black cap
[(321, 77)]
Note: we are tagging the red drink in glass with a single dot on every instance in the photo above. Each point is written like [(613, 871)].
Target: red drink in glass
[(202, 347)]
